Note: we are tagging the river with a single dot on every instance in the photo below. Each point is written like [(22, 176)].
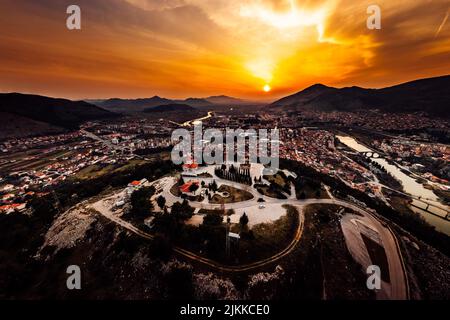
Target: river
[(410, 186), (191, 122)]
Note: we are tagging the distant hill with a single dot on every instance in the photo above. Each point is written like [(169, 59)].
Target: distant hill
[(195, 102), (16, 126), (174, 107), (430, 95), (139, 105), (225, 100), (60, 113), (176, 112), (132, 105)]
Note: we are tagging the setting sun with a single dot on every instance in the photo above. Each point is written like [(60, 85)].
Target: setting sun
[(288, 44)]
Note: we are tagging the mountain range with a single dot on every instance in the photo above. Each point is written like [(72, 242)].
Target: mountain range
[(140, 105), (431, 96), (26, 114)]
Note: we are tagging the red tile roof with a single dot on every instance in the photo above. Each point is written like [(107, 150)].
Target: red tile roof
[(190, 166), (185, 187)]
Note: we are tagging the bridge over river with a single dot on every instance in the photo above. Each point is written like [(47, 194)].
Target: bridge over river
[(424, 201)]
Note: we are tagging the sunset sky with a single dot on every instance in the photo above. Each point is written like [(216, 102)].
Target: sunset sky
[(184, 48)]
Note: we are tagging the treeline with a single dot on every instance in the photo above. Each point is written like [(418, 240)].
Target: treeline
[(376, 168), (240, 175), (286, 187), (272, 190), (303, 183), (149, 151), (141, 206), (207, 238)]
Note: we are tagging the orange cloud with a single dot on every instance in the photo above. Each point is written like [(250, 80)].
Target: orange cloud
[(180, 48)]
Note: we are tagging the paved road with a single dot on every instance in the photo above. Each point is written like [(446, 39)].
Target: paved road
[(104, 209), (399, 287)]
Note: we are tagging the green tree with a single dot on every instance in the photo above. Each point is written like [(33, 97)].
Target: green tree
[(182, 211), (214, 186), (212, 219), (318, 193), (161, 201), (243, 220), (193, 187), (140, 201), (230, 212)]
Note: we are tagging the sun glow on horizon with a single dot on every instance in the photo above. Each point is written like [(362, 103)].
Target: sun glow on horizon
[(242, 48), (289, 30)]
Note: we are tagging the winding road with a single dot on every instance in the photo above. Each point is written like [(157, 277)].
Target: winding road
[(399, 283)]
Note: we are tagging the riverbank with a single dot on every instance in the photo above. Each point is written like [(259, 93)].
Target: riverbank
[(438, 211)]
